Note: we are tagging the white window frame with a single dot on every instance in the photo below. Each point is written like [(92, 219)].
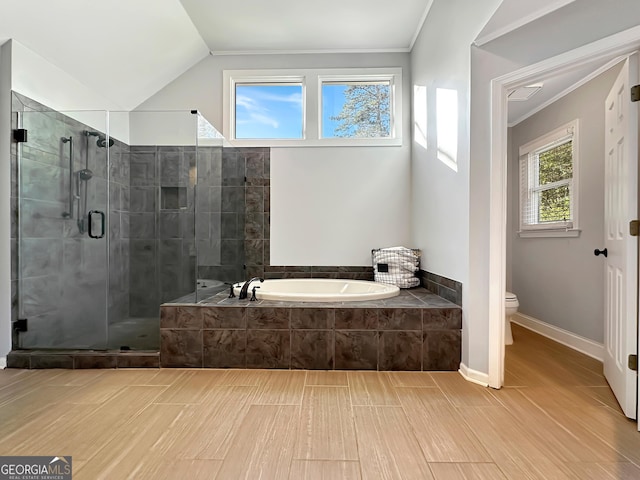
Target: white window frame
[(312, 80), (527, 153)]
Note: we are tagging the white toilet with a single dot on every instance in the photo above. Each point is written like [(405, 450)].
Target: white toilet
[(510, 307)]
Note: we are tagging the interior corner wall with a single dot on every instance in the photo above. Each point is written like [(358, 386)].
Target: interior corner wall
[(566, 29), (563, 271), (329, 205), (35, 77), (440, 60), (5, 217)]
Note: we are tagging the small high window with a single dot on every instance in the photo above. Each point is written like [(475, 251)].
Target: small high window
[(313, 107), (269, 110), (356, 109), (548, 183)]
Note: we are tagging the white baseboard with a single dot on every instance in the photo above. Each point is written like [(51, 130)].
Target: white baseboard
[(474, 376), (3, 363), (571, 340)]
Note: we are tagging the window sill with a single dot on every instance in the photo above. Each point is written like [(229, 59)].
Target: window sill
[(550, 233), (326, 142)]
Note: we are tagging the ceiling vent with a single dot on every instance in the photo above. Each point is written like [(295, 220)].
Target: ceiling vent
[(524, 93)]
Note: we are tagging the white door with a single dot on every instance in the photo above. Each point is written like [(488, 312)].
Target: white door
[(621, 181)]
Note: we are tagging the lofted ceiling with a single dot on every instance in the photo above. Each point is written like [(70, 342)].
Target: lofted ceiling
[(130, 49), (257, 26), (125, 49), (513, 14), (555, 87)]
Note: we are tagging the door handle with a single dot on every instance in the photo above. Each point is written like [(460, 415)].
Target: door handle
[(102, 223), (597, 252)]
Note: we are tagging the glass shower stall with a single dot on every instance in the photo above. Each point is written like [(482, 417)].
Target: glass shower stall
[(116, 213)]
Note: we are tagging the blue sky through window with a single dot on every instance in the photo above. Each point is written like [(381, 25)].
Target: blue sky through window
[(332, 103), (360, 120), (268, 111), (275, 111)]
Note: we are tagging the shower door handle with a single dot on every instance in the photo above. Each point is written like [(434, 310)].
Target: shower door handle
[(102, 223)]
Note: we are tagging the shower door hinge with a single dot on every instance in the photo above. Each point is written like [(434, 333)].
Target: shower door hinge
[(20, 135), (20, 325), (635, 93), (634, 228), (633, 362)]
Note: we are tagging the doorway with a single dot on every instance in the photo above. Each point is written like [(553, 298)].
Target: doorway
[(607, 49)]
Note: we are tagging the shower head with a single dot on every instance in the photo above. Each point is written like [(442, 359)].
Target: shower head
[(102, 140)]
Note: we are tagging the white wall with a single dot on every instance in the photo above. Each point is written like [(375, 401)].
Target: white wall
[(351, 198), (331, 206), (569, 27), (440, 188), (558, 280), (40, 80), (440, 193), (5, 187), (163, 128)]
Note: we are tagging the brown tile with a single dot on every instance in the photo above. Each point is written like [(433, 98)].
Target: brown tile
[(138, 361), (399, 350), (18, 360), (356, 350), (312, 318), (356, 318), (224, 348), (254, 225), (268, 349), (265, 317), (441, 350), (254, 252), (94, 361), (39, 360), (224, 317), (442, 319), (312, 349), (167, 316), (180, 348), (400, 319), (181, 317), (254, 201)]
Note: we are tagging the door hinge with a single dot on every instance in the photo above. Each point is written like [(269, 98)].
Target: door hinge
[(20, 135), (633, 362), (635, 93), (20, 325), (634, 228)]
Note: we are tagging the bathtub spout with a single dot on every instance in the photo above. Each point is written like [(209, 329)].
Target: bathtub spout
[(245, 288)]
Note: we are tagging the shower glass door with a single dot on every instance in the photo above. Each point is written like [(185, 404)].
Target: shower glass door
[(63, 197)]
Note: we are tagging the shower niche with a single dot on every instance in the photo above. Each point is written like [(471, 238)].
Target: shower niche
[(115, 213)]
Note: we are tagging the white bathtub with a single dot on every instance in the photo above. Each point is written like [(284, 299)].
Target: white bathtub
[(320, 290)]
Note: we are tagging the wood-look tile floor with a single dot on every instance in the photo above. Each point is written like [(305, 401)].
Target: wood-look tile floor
[(555, 419)]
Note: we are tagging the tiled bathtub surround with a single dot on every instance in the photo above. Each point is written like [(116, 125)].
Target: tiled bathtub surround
[(442, 286), (414, 331)]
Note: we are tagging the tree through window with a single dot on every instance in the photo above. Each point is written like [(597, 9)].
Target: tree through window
[(356, 109), (548, 193)]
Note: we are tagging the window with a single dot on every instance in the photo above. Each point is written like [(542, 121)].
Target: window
[(356, 109), (268, 110), (548, 184), (309, 107)]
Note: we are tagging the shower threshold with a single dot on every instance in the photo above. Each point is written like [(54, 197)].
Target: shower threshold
[(77, 359)]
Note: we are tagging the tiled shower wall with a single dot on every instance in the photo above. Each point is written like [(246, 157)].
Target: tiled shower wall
[(64, 274), (224, 217), (161, 226)]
